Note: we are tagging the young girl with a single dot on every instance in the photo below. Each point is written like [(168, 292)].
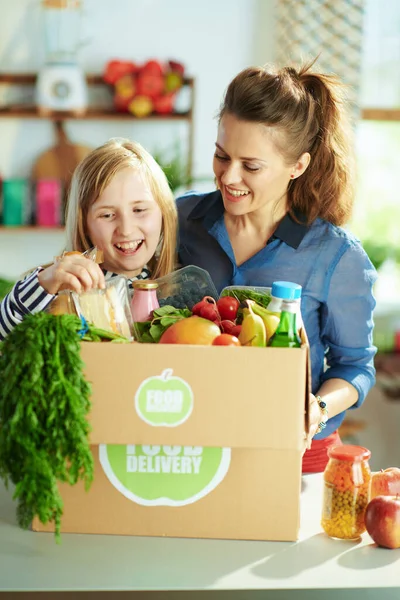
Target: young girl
[(119, 201)]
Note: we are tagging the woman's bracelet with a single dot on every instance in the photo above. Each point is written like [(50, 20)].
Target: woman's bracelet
[(324, 413)]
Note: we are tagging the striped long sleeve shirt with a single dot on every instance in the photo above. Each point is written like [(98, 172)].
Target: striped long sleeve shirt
[(28, 296)]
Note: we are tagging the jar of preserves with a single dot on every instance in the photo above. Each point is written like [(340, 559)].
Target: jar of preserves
[(347, 482)]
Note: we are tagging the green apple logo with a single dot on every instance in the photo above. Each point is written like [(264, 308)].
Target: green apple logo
[(164, 475), (164, 401)]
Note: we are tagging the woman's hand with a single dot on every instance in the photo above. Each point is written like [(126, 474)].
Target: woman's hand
[(72, 272), (315, 418)]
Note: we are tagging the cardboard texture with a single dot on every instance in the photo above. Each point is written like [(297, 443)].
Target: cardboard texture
[(252, 402)]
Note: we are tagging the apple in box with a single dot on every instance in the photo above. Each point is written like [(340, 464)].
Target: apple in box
[(385, 482), (382, 520)]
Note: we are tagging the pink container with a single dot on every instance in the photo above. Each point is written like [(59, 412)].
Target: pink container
[(48, 202), (144, 300)]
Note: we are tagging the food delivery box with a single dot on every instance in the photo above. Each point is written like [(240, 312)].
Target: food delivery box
[(193, 441)]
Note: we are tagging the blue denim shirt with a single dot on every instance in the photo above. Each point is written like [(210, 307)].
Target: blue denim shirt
[(327, 261)]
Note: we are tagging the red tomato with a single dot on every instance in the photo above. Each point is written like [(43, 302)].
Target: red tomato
[(225, 339), (228, 308)]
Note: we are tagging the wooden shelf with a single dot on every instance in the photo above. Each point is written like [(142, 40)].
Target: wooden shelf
[(30, 112), (21, 111), (26, 111), (380, 114), (30, 79), (30, 229)]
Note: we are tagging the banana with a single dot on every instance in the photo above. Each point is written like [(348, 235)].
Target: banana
[(253, 329), (270, 320)]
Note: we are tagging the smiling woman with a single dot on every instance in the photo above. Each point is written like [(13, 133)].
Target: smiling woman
[(283, 168), (120, 202)]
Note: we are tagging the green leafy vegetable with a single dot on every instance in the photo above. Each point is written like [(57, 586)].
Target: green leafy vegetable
[(150, 332), (248, 294), (44, 403)]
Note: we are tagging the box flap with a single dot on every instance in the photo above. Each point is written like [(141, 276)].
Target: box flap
[(242, 397), (308, 389)]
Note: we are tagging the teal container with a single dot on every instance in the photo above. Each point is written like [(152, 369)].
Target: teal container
[(16, 202)]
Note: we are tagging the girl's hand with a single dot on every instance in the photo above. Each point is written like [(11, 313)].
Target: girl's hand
[(315, 418), (72, 272)]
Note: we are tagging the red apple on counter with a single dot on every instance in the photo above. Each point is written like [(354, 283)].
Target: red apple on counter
[(385, 482), (382, 520)]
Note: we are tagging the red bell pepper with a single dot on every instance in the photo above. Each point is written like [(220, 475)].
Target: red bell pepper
[(115, 69)]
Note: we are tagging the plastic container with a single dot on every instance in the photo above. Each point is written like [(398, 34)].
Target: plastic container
[(144, 300), (48, 202), (185, 287), (347, 483), (16, 202)]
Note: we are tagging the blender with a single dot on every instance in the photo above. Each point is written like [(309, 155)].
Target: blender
[(61, 83)]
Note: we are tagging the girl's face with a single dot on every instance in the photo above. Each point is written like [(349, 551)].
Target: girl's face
[(250, 172), (125, 222)]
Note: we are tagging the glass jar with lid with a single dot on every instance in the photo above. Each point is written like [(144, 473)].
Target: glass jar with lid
[(347, 482), (144, 300)]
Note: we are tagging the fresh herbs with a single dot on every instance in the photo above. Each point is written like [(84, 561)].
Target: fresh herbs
[(44, 403), (243, 294), (150, 332)]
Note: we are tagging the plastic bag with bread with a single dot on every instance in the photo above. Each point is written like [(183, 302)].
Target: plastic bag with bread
[(107, 309)]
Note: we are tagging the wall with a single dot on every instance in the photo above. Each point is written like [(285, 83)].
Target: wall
[(214, 39)]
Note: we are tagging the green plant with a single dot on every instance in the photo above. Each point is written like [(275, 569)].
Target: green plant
[(379, 252), (44, 404), (5, 287), (174, 167)]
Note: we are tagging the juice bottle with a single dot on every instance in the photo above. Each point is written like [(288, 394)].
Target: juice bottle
[(144, 300), (285, 290), (286, 335)]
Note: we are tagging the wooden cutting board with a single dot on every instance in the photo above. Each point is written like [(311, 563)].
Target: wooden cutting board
[(60, 161)]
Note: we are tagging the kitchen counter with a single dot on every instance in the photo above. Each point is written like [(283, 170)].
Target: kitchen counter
[(315, 566)]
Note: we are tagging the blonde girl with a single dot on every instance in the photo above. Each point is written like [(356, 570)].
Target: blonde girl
[(119, 201)]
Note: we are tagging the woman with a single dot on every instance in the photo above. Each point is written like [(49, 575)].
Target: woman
[(284, 173)]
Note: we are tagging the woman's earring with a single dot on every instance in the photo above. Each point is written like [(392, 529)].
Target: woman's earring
[(292, 176)]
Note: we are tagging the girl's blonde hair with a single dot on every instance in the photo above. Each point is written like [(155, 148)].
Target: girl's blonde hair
[(95, 173)]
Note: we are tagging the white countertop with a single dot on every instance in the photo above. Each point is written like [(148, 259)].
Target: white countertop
[(33, 561)]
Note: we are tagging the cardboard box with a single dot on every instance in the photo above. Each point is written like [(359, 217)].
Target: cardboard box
[(193, 441)]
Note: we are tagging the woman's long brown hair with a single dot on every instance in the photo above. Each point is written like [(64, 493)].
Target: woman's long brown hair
[(306, 113)]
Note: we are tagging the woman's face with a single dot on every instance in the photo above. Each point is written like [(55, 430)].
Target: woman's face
[(250, 172), (125, 222)]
